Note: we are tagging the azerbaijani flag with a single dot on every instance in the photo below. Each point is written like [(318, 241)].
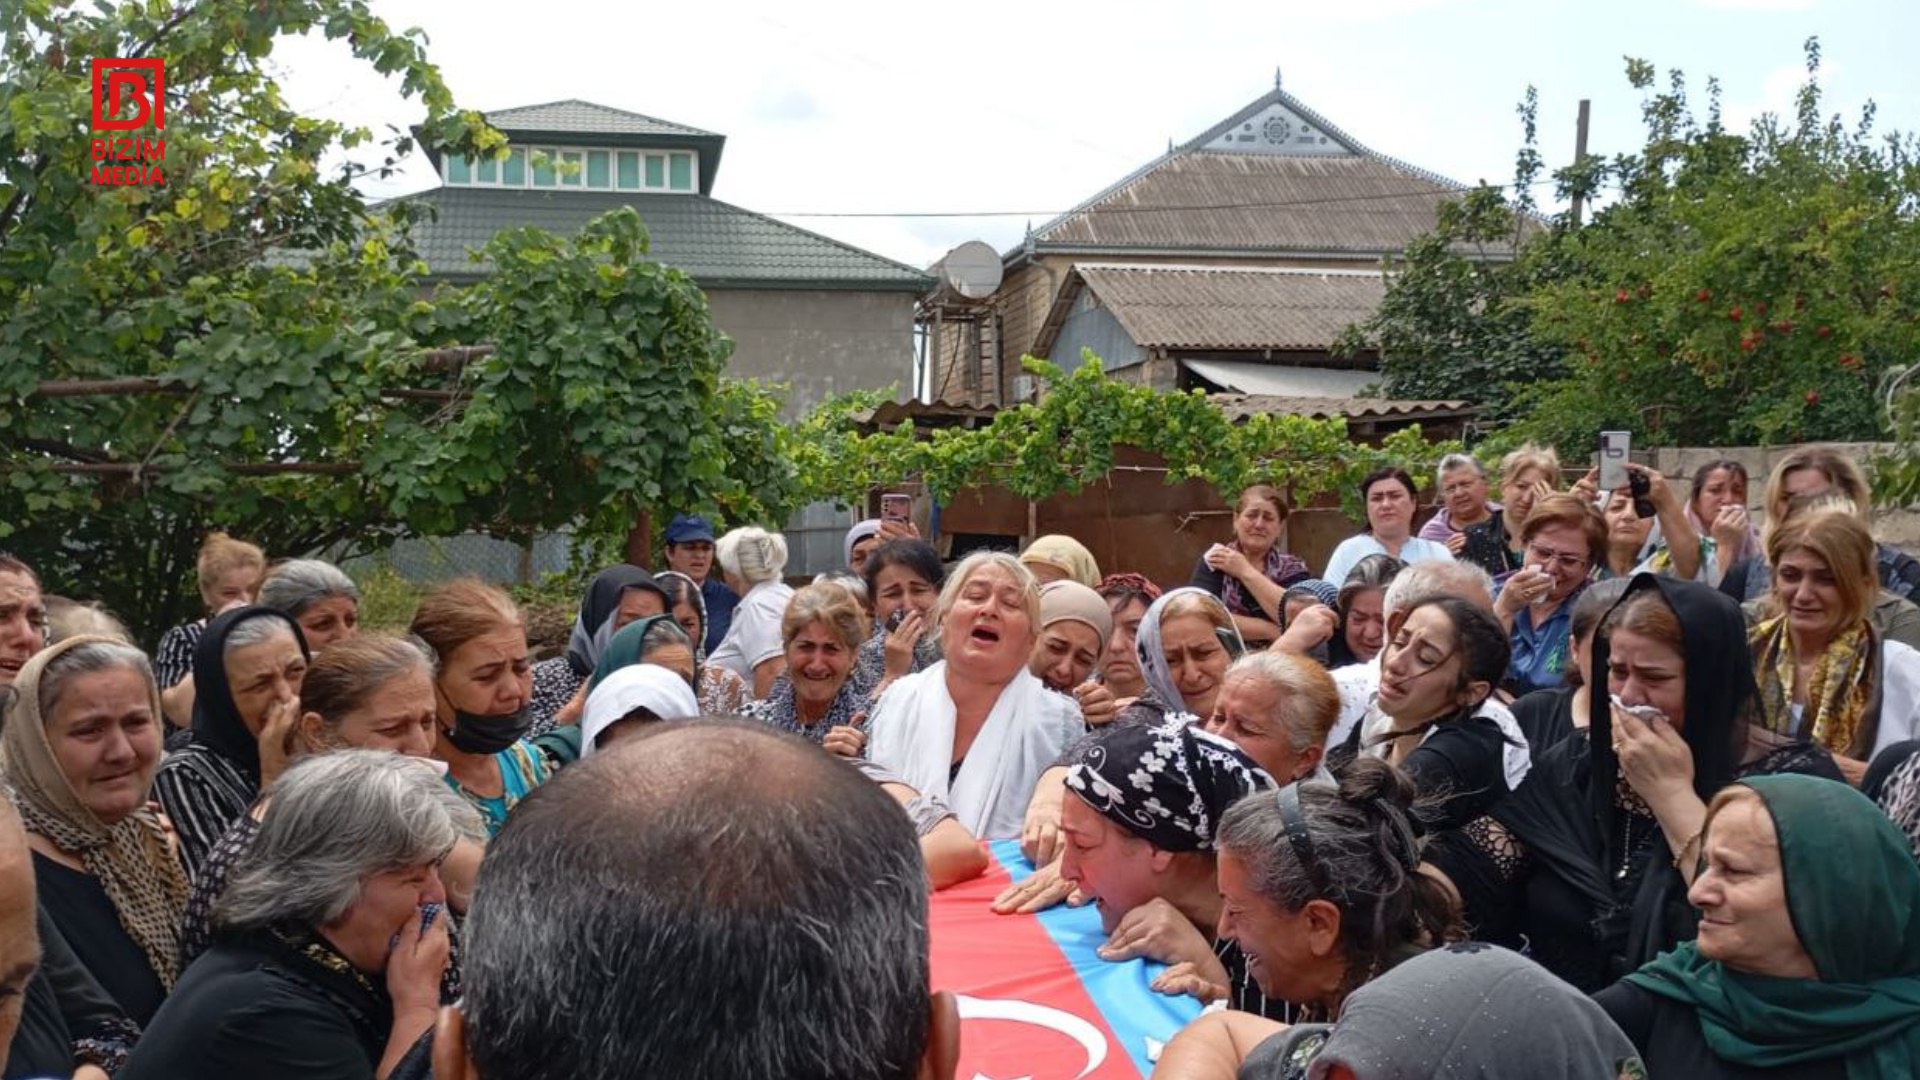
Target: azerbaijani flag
[(1036, 1001)]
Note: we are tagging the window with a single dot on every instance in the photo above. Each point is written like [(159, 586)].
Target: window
[(656, 171), (458, 171), (681, 174), (597, 176), (572, 159), (486, 171), (584, 168), (628, 178), (513, 171), (543, 175)]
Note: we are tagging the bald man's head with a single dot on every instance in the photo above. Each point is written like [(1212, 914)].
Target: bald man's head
[(708, 899), (19, 934)]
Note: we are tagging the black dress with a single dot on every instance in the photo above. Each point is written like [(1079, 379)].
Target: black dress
[(1486, 546), (1459, 769), (279, 1004), (66, 1019), (79, 908), (1667, 1034), (1545, 717)]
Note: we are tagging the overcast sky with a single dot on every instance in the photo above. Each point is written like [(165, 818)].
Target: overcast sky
[(1023, 109)]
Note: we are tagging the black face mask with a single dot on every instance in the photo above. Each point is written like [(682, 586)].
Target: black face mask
[(477, 733)]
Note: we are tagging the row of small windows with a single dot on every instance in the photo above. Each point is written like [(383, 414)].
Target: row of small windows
[(598, 170)]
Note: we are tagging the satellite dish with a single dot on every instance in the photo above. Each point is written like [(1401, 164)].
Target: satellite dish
[(969, 272)]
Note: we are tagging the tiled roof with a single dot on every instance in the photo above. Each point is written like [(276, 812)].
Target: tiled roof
[(717, 243), (1197, 201), (1232, 308), (586, 118)]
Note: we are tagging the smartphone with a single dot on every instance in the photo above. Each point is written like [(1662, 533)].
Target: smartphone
[(1614, 448), (896, 508)]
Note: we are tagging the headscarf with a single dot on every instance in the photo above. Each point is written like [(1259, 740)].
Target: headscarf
[(216, 722), (1566, 813), (699, 608), (623, 650), (1065, 554), (1893, 783), (1168, 783), (1853, 891), (859, 532), (1153, 655), (594, 624), (130, 859), (1324, 591), (650, 686), (1070, 601), (1127, 579), (1842, 712), (1473, 1010)]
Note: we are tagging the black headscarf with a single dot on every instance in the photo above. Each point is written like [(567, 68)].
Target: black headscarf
[(1573, 838), (1168, 784), (216, 723), (598, 607)]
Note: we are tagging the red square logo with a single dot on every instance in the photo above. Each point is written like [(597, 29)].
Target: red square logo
[(116, 83)]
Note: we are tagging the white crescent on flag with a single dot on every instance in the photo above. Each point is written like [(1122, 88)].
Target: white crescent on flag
[(1027, 1012)]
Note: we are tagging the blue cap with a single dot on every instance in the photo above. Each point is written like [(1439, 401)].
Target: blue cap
[(685, 528)]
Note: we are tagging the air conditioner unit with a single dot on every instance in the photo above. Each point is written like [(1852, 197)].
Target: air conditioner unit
[(1023, 388)]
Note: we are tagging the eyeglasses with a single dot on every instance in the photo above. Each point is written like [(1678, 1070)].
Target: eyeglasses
[(1565, 560)]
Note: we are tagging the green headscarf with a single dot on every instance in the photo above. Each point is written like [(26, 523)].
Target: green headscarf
[(623, 648), (1853, 891)]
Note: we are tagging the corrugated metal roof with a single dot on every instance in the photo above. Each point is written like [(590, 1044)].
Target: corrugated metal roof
[(1205, 307), (1282, 380), (941, 413), (1239, 407), (586, 118), (716, 243), (1254, 202)]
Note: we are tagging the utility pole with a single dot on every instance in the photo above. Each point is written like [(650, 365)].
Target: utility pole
[(1580, 157)]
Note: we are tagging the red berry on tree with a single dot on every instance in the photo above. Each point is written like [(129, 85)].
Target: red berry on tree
[(1703, 295), (1813, 397), (1736, 313), (1824, 331)]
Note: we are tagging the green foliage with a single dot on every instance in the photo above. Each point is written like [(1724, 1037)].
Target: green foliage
[(1738, 289), (1066, 440), (296, 316)]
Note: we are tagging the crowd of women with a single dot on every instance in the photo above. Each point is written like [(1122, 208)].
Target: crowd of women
[(1665, 756)]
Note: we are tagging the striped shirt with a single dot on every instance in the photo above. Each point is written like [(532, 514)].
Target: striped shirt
[(1243, 992), (173, 660), (204, 794)]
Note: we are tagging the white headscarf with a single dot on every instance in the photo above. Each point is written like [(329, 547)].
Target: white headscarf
[(660, 691), (1153, 655)]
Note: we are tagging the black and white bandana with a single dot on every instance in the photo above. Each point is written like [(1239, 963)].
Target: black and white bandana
[(1168, 784)]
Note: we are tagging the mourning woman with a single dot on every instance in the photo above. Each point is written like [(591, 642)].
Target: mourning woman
[(1590, 860), (247, 669), (332, 936), (821, 632), (977, 729), (1434, 715), (1808, 960), (904, 578), (82, 739), (721, 692), (1250, 573), (319, 596), (615, 597), (483, 684)]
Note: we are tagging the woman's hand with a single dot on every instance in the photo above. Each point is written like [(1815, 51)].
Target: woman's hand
[(1157, 931), (1229, 561), (845, 740), (1528, 585), (1587, 487), (276, 738), (1457, 543), (1729, 528), (1038, 891), (1040, 836), (1659, 492), (901, 641), (898, 530), (1187, 977), (418, 961), (1096, 703), (573, 710), (1653, 757), (1309, 630)]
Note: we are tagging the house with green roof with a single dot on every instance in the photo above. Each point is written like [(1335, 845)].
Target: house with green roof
[(803, 309)]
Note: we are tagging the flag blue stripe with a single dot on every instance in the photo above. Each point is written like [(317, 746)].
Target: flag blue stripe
[(1122, 991)]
